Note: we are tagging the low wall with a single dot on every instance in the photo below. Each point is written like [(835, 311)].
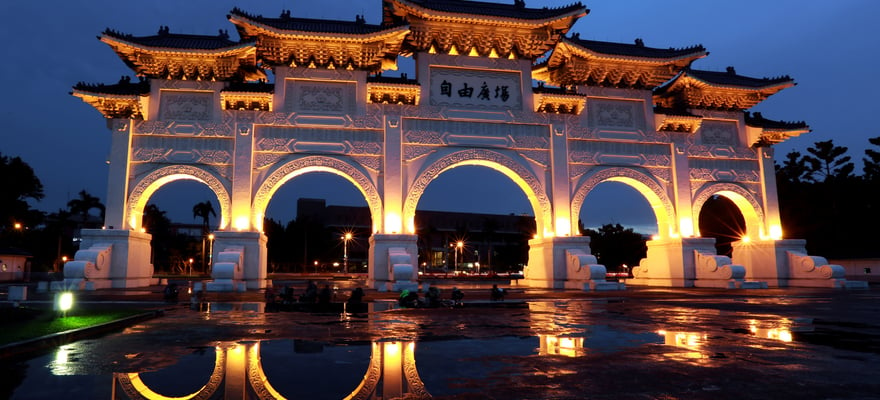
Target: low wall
[(860, 269)]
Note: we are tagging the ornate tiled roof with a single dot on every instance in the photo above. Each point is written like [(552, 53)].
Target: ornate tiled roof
[(287, 23), (575, 61), (636, 49), (167, 40), (757, 120), (717, 90), (517, 10), (122, 88), (730, 78)]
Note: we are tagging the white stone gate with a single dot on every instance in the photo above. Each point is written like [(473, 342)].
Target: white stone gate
[(617, 112)]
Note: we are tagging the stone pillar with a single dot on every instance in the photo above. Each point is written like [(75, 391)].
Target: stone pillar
[(560, 186), (254, 255), (686, 223), (130, 264), (547, 260), (380, 275), (392, 178), (241, 215), (670, 262), (117, 177), (772, 224)]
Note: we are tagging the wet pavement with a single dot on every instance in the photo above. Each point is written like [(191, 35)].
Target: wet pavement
[(641, 343)]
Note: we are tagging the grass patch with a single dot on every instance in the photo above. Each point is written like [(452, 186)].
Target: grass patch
[(25, 323)]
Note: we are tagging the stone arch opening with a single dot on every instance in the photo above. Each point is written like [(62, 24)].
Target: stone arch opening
[(648, 187), (721, 219), (515, 171), (745, 202), (147, 186), (311, 164)]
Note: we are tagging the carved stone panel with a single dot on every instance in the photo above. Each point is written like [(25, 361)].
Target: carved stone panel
[(323, 98), (475, 134), (291, 139), (475, 88), (616, 115), (618, 153), (186, 106), (718, 133), (181, 150)]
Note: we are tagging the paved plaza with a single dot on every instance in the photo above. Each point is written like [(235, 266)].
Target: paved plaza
[(641, 343)]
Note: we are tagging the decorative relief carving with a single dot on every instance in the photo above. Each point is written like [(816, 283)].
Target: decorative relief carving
[(144, 188), (189, 150), (319, 98), (412, 152), (361, 147), (269, 185), (423, 137), (710, 189), (151, 127), (605, 174), (186, 106), (657, 160), (530, 142), (539, 157), (351, 141), (430, 172), (617, 114), (592, 152), (718, 133), (576, 170), (276, 144), (263, 160), (372, 163), (728, 170)]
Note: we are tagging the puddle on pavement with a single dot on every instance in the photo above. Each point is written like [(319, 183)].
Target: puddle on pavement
[(387, 368)]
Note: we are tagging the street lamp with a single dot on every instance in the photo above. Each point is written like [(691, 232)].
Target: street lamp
[(211, 250), (190, 266), (459, 246), (345, 239)]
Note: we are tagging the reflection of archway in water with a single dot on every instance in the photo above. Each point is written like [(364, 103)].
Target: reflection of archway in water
[(721, 219), (392, 364)]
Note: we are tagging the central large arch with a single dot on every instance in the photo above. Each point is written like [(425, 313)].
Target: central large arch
[(509, 167), (309, 164), (660, 203)]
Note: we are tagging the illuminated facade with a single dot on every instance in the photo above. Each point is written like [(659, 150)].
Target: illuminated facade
[(609, 112)]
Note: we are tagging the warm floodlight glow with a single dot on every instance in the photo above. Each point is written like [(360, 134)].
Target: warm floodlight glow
[(655, 237), (459, 244), (393, 223), (686, 227), (746, 239), (241, 223), (17, 225), (563, 227), (64, 301), (775, 232)]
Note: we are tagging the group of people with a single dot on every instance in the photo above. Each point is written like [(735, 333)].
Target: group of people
[(432, 298), (310, 296)]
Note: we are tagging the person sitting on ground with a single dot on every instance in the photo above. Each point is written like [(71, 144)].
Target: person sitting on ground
[(269, 296), (432, 297), (324, 295), (171, 292), (457, 296), (408, 299), (357, 296), (497, 293), (311, 293)]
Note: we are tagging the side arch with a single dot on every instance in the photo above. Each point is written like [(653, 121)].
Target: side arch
[(519, 174), (148, 185), (745, 201), (308, 164), (664, 211)]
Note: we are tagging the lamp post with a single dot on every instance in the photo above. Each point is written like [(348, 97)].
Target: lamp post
[(345, 239), (459, 246), (190, 266), (211, 251)]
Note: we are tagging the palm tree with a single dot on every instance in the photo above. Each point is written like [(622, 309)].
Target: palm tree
[(85, 203), (204, 210)]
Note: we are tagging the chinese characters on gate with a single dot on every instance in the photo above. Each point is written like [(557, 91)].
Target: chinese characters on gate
[(501, 92)]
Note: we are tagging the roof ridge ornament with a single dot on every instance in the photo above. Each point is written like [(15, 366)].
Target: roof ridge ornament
[(164, 30), (640, 42)]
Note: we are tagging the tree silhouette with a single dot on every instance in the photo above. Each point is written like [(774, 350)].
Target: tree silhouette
[(204, 210), (828, 161), (19, 183), (85, 203), (614, 246), (871, 165)]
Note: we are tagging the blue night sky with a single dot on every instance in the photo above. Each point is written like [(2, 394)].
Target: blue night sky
[(829, 48)]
